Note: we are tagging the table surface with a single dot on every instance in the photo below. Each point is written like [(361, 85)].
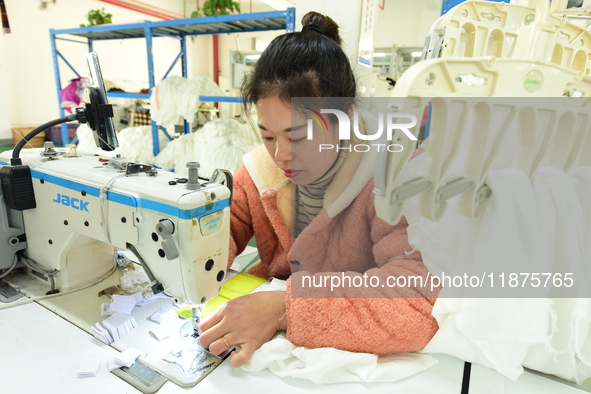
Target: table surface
[(41, 352)]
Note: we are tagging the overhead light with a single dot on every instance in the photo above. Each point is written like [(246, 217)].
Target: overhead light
[(416, 54), (379, 54)]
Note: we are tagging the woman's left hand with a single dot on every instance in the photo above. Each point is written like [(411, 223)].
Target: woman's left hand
[(248, 321)]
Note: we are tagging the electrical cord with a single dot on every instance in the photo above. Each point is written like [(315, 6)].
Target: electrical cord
[(156, 286), (104, 204), (10, 268), (79, 115), (15, 160), (49, 274)]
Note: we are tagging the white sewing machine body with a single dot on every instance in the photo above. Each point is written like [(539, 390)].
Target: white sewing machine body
[(76, 229)]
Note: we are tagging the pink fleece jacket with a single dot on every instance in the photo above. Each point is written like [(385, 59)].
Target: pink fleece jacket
[(346, 236)]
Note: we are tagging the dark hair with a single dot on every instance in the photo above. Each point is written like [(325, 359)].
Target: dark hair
[(310, 63)]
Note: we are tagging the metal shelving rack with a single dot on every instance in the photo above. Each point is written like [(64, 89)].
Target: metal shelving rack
[(179, 29)]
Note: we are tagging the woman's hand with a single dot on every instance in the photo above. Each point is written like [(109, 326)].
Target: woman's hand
[(248, 321)]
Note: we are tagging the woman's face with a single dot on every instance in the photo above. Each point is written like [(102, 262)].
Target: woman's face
[(285, 136)]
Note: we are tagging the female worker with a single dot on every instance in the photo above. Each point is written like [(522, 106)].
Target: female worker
[(312, 214)]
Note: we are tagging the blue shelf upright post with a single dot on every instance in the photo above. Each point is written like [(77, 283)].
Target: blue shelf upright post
[(152, 83), (290, 20)]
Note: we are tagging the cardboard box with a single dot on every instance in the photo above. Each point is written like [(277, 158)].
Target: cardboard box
[(19, 132)]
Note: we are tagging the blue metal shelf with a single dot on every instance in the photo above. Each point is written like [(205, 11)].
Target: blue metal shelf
[(142, 96), (221, 99), (180, 29), (145, 96)]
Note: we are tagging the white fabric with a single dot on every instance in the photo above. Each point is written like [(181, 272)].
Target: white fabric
[(562, 224), (220, 143), (460, 245), (582, 337), (274, 285), (492, 332), (135, 143), (582, 181), (582, 312), (487, 331), (86, 140), (542, 225), (328, 365), (562, 203), (176, 98)]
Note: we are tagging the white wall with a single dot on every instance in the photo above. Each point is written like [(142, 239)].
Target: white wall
[(5, 129), (405, 22), (239, 42), (27, 79), (346, 13), (401, 22)]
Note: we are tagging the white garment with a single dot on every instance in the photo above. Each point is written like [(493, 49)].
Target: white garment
[(328, 365), (539, 227), (494, 332), (135, 143), (177, 98), (220, 143), (563, 205), (582, 337), (582, 181), (561, 222), (582, 312), (504, 238)]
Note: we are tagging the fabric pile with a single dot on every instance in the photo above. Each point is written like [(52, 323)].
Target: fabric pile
[(328, 365), (86, 140), (135, 143), (176, 98), (538, 225), (220, 143)]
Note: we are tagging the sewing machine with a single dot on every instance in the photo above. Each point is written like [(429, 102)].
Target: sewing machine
[(179, 231), (64, 214)]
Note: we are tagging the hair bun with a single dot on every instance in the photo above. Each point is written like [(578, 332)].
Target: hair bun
[(313, 27), (321, 24)]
